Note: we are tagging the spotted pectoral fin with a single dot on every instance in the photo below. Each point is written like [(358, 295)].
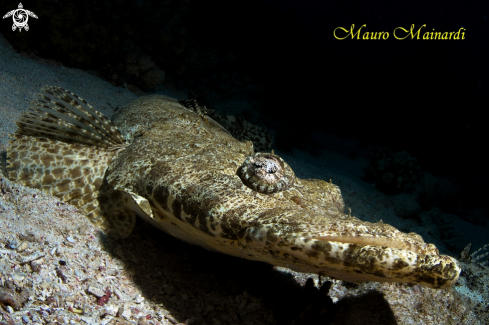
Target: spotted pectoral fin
[(144, 209), (142, 203)]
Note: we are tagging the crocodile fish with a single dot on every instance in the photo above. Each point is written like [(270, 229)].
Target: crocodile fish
[(184, 173)]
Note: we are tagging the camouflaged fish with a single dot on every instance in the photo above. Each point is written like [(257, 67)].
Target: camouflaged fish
[(185, 174)]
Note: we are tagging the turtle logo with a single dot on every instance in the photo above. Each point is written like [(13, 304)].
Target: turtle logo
[(20, 17)]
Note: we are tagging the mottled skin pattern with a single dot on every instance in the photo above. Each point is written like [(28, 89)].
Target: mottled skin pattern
[(180, 171)]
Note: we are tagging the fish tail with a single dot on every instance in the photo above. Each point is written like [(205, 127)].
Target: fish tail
[(63, 147)]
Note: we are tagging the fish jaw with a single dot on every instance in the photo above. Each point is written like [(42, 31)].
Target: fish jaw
[(348, 261)]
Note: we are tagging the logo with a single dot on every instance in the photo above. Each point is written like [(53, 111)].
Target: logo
[(20, 17)]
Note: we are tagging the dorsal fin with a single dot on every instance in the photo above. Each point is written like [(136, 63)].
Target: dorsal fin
[(58, 114)]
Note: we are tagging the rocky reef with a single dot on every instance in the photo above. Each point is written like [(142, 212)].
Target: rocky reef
[(139, 43), (393, 172)]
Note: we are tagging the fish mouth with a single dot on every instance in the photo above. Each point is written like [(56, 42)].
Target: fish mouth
[(359, 258), (364, 240)]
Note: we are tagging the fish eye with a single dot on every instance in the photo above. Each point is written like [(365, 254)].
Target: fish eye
[(266, 173)]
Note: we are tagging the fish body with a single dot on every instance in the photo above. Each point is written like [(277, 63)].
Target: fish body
[(185, 174)]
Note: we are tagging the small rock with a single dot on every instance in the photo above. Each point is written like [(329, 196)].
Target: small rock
[(88, 320), (17, 278), (37, 265), (70, 241), (138, 299), (35, 317), (32, 257), (12, 244), (111, 309), (22, 247), (126, 314), (142, 320), (107, 319), (120, 295), (96, 291)]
